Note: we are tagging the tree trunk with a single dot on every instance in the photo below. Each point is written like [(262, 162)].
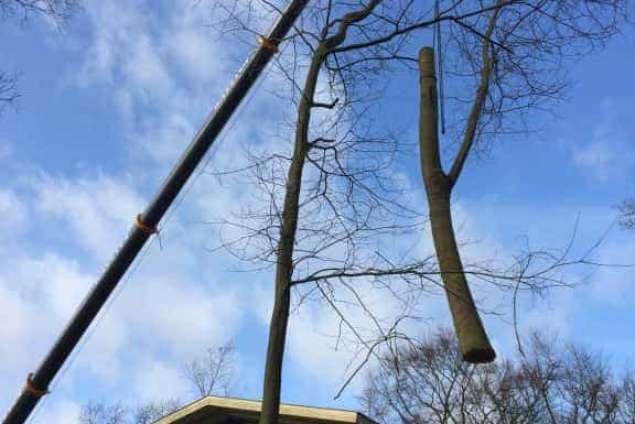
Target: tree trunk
[(473, 341), (284, 266)]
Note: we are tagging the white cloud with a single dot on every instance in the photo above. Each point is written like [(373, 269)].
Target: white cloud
[(13, 212), (197, 53), (311, 346), (154, 380), (98, 210), (613, 285), (15, 314), (37, 296), (114, 25), (600, 157), (185, 315), (168, 309), (163, 137), (164, 76), (555, 313), (35, 287), (63, 412), (608, 154)]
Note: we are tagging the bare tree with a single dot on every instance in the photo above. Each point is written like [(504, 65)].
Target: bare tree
[(98, 413), (211, 374), (8, 90), (333, 207), (57, 10), (627, 214), (153, 411), (428, 382)]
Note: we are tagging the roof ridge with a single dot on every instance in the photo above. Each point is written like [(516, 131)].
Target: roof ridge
[(252, 405)]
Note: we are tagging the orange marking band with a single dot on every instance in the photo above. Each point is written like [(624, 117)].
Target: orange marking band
[(268, 43), (30, 388), (144, 227)]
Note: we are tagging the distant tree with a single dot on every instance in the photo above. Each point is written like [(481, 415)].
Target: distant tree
[(211, 374), (98, 413), (429, 383), (153, 411), (56, 10), (8, 90), (627, 214)]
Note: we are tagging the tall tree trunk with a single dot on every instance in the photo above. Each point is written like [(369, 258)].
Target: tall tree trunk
[(284, 266), (473, 341)]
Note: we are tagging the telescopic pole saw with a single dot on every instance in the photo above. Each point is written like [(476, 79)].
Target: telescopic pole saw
[(146, 223)]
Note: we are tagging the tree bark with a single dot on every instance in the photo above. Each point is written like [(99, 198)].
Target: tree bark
[(473, 342), (284, 266)]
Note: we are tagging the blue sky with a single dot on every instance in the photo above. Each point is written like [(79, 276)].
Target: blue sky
[(108, 104)]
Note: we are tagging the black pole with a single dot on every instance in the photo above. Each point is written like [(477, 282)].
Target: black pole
[(38, 382)]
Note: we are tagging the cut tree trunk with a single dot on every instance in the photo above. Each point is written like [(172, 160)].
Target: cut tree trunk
[(473, 341)]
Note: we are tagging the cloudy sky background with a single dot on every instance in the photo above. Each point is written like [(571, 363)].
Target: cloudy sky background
[(107, 106)]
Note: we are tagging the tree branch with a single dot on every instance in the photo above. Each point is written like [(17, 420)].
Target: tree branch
[(478, 104)]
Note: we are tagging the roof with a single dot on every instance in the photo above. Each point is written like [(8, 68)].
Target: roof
[(216, 410)]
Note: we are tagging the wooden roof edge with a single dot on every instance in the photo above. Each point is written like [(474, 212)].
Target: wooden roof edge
[(289, 410)]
